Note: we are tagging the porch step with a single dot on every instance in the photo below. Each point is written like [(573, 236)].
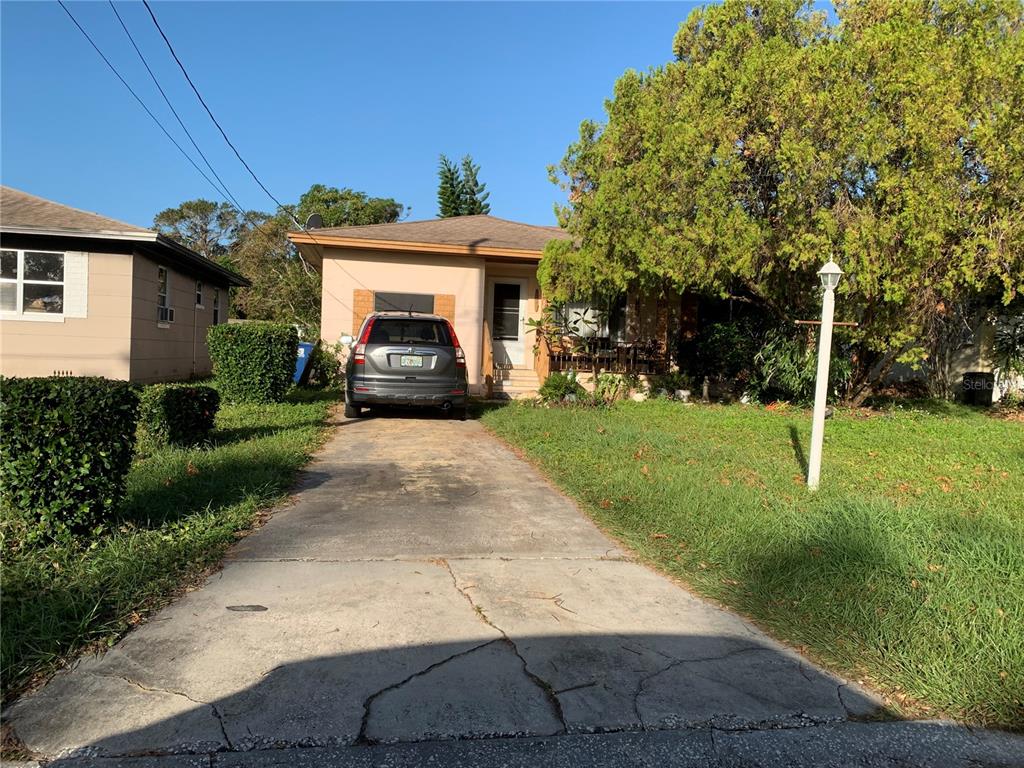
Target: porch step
[(515, 383)]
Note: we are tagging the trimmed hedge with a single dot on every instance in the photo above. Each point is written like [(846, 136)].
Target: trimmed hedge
[(253, 362), (178, 414), (65, 450)]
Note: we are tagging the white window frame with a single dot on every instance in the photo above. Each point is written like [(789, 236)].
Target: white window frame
[(199, 295), (164, 311), (19, 282), (216, 306)]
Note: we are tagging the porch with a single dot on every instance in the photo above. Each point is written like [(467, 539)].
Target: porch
[(633, 335)]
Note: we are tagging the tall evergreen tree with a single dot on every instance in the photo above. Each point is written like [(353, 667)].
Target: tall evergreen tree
[(474, 194), (449, 189)]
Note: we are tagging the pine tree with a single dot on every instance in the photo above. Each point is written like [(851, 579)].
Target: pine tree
[(449, 189), (474, 194)]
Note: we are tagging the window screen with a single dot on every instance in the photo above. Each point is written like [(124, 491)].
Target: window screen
[(398, 330), (506, 311), (403, 302)]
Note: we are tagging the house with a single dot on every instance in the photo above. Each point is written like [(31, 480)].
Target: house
[(84, 295), (480, 272)]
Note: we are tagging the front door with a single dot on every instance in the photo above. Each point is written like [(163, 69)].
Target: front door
[(508, 323)]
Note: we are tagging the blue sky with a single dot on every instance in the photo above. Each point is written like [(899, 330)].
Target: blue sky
[(364, 95)]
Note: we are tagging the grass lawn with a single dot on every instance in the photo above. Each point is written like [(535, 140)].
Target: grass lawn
[(183, 509), (905, 570)]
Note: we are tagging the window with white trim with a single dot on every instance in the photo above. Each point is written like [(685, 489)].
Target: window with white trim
[(216, 306), (32, 282), (164, 313), (199, 294)]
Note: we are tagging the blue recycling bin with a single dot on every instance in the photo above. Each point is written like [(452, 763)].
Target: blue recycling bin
[(302, 360)]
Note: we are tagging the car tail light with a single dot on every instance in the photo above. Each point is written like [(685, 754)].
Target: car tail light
[(460, 356), (359, 350)]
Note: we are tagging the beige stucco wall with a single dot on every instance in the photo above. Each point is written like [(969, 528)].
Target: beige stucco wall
[(177, 351), (96, 345), (345, 270)]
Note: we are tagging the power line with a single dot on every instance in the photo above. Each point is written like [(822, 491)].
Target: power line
[(226, 193), (280, 205), (207, 108), (223, 193), (138, 99), (177, 117)]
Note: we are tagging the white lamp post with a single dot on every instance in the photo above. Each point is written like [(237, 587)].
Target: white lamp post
[(829, 274)]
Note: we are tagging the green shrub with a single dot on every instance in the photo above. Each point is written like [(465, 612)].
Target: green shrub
[(65, 450), (786, 368), (178, 414), (726, 349), (325, 367), (672, 381), (609, 387), (557, 386), (253, 362)]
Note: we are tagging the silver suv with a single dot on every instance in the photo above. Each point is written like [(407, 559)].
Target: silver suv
[(405, 358)]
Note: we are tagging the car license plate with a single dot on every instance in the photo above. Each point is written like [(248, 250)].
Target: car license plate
[(412, 361)]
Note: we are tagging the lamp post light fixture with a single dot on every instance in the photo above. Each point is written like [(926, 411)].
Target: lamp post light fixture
[(829, 274)]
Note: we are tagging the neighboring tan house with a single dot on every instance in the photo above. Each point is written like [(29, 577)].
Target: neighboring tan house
[(84, 295), (481, 273)]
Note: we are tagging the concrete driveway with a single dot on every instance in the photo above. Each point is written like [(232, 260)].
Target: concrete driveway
[(429, 597)]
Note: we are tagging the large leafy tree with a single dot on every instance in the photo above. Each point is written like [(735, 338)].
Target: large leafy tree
[(204, 226), (893, 140), (346, 207), (284, 287)]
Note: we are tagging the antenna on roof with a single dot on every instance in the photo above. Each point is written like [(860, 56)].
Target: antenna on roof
[(315, 221)]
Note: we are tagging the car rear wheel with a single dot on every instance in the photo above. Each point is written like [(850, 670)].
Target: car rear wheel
[(352, 411)]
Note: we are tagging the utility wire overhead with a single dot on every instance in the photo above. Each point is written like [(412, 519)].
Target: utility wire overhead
[(139, 100), (224, 195), (226, 191), (207, 108), (177, 117), (281, 206)]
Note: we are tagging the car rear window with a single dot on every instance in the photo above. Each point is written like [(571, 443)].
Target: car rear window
[(395, 330)]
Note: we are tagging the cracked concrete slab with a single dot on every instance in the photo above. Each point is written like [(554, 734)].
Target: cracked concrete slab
[(626, 648), (298, 673), (76, 712), (428, 587), (445, 702)]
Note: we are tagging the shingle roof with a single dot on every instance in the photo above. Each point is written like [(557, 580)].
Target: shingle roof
[(22, 210), (479, 231), (26, 215)]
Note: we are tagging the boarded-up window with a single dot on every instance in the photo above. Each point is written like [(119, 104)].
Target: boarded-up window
[(403, 302)]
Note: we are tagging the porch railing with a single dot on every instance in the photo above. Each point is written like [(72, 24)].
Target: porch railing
[(626, 357)]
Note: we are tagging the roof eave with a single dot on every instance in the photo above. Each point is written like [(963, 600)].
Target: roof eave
[(201, 262), (148, 238), (448, 249), (94, 234)]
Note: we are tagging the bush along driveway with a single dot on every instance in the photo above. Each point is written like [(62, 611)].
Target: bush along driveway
[(428, 587), (906, 569), (183, 507)]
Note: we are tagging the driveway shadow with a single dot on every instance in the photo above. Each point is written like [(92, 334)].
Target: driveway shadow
[(479, 688), (654, 699)]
